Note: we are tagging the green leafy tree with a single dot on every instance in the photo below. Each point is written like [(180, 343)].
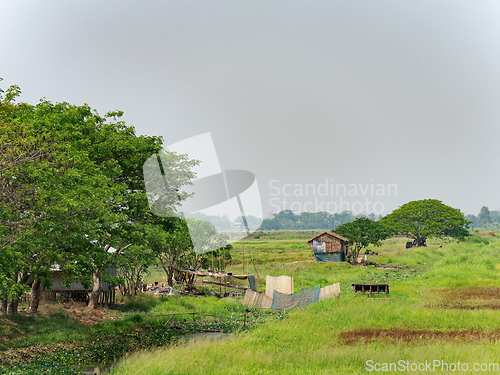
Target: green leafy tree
[(495, 216), (174, 249), (13, 155), (363, 232), (72, 186), (472, 219), (425, 218), (61, 197), (306, 220), (133, 266), (269, 224), (483, 217), (169, 247), (338, 219)]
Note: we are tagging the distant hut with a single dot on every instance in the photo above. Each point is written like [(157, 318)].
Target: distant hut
[(329, 247)]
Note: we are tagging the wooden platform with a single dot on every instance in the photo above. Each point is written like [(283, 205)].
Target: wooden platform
[(105, 297), (373, 290)]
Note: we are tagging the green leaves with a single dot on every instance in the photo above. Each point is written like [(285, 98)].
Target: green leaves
[(426, 218), (71, 183), (362, 232)]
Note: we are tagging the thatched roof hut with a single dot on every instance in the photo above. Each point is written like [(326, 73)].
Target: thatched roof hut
[(329, 247)]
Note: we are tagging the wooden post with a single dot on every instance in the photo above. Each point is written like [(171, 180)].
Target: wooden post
[(220, 323), (258, 287), (243, 259), (224, 258), (220, 265), (220, 278), (245, 320)]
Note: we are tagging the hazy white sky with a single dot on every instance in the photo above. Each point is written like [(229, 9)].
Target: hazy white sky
[(372, 93)]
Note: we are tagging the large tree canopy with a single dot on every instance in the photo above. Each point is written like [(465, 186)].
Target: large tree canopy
[(427, 218), (363, 232), (72, 185)]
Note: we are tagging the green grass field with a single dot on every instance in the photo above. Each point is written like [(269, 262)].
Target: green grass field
[(444, 308)]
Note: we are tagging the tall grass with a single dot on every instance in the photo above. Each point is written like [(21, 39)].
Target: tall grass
[(308, 341)]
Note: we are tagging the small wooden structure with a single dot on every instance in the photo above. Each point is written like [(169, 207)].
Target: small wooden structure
[(222, 280), (76, 290), (373, 290), (329, 247)]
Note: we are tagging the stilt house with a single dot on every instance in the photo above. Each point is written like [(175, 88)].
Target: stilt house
[(76, 290), (329, 247)]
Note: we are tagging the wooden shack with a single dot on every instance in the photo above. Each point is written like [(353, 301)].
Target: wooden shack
[(329, 247), (76, 290)]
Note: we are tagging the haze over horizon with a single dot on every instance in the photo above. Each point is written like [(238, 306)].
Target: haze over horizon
[(365, 94)]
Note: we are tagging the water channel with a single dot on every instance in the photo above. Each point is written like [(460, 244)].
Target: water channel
[(193, 338)]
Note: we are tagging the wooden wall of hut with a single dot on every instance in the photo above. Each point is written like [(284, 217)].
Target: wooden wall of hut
[(333, 245)]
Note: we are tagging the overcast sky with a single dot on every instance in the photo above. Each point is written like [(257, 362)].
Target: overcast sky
[(382, 94)]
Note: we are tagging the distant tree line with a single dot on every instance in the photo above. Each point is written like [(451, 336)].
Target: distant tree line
[(288, 220), (485, 219), (225, 224)]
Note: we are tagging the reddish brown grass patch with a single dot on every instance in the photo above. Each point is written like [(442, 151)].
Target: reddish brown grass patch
[(394, 336), (468, 298)]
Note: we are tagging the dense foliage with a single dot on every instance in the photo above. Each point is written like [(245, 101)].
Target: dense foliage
[(72, 187), (427, 218), (363, 232), (486, 218), (289, 220)]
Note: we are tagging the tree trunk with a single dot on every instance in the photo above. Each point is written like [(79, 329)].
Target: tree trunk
[(13, 303), (3, 308), (25, 278), (190, 281), (12, 306), (168, 262), (420, 241), (34, 296), (170, 274), (96, 290)]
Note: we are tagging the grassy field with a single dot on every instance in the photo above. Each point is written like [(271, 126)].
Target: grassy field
[(444, 308)]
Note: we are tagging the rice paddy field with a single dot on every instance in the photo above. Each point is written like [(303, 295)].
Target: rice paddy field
[(442, 316)]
